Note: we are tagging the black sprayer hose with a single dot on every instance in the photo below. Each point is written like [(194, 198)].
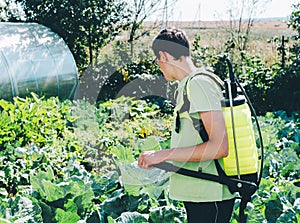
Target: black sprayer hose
[(259, 131)]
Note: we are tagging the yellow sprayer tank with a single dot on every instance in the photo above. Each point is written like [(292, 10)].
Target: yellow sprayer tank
[(245, 141)]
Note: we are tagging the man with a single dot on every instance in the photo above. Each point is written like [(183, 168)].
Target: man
[(205, 201)]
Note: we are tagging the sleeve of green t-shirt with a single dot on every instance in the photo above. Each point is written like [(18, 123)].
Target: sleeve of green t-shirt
[(204, 94)]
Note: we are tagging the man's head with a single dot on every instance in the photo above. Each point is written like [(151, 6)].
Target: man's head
[(172, 41)]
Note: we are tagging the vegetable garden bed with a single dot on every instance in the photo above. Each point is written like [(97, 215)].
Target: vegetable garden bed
[(58, 163)]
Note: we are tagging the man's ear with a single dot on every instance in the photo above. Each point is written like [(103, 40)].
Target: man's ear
[(163, 56)]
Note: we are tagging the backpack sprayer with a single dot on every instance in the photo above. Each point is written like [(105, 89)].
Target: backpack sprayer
[(241, 171)]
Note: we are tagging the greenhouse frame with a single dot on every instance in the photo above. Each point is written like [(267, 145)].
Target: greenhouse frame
[(35, 59)]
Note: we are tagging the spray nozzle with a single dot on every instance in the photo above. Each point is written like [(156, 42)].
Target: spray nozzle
[(231, 79)]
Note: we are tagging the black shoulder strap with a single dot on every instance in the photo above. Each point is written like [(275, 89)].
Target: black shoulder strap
[(186, 101), (213, 76), (198, 124)]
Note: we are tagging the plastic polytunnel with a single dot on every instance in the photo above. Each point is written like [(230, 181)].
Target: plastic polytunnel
[(35, 59)]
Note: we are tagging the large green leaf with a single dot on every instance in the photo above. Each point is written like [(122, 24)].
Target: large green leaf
[(84, 200), (66, 216), (23, 209), (48, 212), (288, 215), (137, 180), (167, 214), (151, 143), (3, 207), (6, 105), (52, 191), (38, 180), (129, 217), (2, 220), (123, 154), (118, 202), (274, 209)]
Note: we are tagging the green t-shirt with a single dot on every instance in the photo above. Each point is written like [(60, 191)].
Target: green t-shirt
[(204, 95)]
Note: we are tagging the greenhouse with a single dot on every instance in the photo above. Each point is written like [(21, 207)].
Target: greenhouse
[(35, 59)]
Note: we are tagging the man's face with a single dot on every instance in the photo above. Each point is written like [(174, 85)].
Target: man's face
[(166, 70), (165, 66)]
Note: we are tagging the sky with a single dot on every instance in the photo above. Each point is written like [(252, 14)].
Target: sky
[(207, 10)]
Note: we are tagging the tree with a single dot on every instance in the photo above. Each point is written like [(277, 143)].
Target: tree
[(86, 26), (140, 10), (287, 84), (294, 21), (10, 11), (242, 14)]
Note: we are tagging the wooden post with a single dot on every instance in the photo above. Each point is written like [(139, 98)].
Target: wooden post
[(282, 53)]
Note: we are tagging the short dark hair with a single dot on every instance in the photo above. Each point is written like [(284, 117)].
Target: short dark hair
[(172, 41)]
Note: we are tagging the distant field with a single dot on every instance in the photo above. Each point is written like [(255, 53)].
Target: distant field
[(270, 27), (215, 33)]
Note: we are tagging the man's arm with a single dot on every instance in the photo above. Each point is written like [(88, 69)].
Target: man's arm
[(216, 147)]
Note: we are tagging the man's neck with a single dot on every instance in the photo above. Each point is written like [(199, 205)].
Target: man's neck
[(184, 67)]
